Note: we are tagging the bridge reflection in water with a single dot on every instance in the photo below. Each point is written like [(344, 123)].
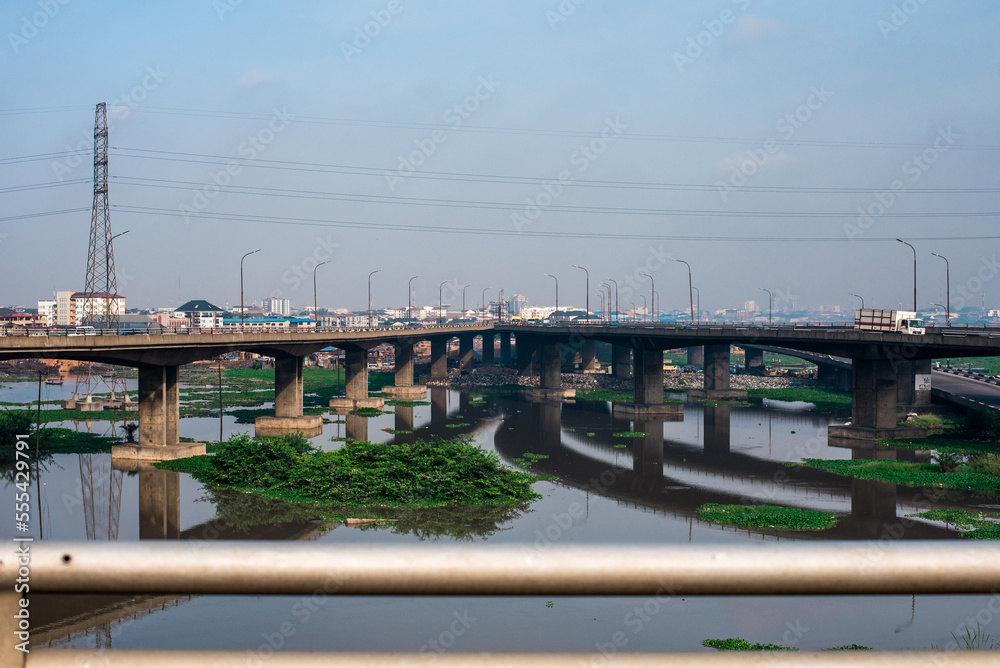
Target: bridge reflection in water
[(663, 475)]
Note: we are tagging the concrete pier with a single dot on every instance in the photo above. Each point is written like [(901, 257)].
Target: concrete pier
[(873, 404), (355, 384), (288, 415), (621, 362), (647, 391), (526, 353), (696, 355), (404, 387), (439, 359), (550, 381), (465, 353), (489, 348), (753, 360), (716, 384), (913, 386), (588, 357), (159, 417), (505, 357)]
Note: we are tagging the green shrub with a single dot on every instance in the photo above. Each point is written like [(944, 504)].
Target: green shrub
[(258, 462)]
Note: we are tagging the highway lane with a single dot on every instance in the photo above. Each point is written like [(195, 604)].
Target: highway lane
[(967, 387)]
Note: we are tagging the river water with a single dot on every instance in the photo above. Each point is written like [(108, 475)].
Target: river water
[(609, 490)]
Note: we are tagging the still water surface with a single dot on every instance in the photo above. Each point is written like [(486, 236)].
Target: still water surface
[(644, 493)]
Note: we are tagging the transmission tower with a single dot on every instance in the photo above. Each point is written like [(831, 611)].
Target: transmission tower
[(101, 281)]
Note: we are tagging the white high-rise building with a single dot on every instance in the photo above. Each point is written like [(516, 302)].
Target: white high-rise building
[(47, 311), (277, 305)]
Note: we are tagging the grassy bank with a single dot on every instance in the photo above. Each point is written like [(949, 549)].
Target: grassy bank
[(978, 526), (912, 474)]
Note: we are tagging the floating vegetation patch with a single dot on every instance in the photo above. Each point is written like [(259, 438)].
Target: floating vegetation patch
[(767, 517), (741, 645), (425, 473), (591, 433), (458, 425), (397, 431), (406, 404), (367, 412), (913, 474), (629, 434), (977, 526), (619, 445)]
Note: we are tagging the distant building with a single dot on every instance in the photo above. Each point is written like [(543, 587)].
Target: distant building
[(750, 306), (277, 306), (47, 311), (12, 318), (269, 324), (201, 314), (92, 306)]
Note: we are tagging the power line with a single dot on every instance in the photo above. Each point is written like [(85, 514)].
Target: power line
[(39, 186), (517, 206), (294, 165)]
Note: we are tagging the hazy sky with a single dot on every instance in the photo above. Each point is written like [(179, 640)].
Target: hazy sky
[(490, 143)]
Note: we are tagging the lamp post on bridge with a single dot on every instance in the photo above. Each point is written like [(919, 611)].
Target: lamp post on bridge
[(690, 291), (652, 294), (617, 303), (463, 299), (370, 296), (859, 297), (914, 273), (644, 309), (315, 300), (600, 293), (243, 308), (441, 302), (484, 303), (697, 293), (633, 311), (409, 299), (947, 289), (588, 290), (608, 302), (770, 298), (656, 302), (943, 307), (556, 316)]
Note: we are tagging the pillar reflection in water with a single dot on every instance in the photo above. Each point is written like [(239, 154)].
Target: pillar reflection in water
[(549, 425), (647, 451), (159, 504), (873, 503), (356, 427), (439, 407), (403, 418), (717, 437)]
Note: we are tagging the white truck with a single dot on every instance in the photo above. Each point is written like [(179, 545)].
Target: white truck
[(885, 320)]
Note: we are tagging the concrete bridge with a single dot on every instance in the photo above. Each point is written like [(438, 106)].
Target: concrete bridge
[(882, 363)]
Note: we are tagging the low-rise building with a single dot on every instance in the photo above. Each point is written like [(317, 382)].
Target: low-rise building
[(200, 314)]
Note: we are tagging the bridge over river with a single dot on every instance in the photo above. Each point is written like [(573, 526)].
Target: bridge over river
[(882, 363)]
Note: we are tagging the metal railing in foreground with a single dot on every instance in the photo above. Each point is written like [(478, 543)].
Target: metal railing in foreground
[(662, 572)]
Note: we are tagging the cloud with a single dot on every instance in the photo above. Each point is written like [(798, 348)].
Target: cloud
[(751, 28), (254, 78)]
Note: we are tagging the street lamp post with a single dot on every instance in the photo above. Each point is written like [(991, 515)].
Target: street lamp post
[(409, 299), (556, 317), (652, 293), (600, 293), (690, 291), (441, 302), (770, 298), (945, 308), (859, 297), (370, 296), (616, 298), (500, 305), (656, 302), (315, 300), (644, 309), (108, 304), (484, 303), (697, 293), (463, 300), (608, 314), (243, 308), (947, 289), (588, 289), (633, 311), (914, 273)]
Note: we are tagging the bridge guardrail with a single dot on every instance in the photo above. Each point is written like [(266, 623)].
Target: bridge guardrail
[(657, 573)]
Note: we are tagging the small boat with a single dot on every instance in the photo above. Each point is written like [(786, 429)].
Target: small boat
[(54, 380)]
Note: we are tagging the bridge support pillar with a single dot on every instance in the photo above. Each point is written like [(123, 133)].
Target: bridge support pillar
[(288, 416), (159, 417), (439, 359), (404, 387), (648, 388), (489, 348), (716, 384), (873, 404), (913, 386), (355, 384), (696, 356), (753, 360), (525, 348), (505, 357), (588, 357), (834, 376), (550, 382), (620, 362), (465, 353)]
